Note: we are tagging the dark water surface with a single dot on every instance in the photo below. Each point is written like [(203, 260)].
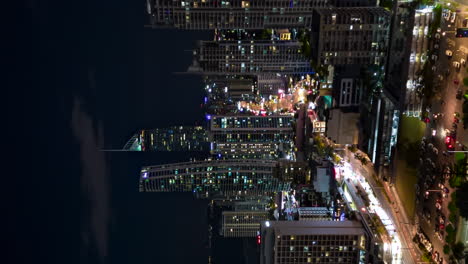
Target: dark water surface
[(86, 75)]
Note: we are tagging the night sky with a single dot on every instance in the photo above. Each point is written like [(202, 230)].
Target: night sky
[(86, 75)]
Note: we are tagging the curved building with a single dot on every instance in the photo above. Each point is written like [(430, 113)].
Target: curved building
[(229, 178)]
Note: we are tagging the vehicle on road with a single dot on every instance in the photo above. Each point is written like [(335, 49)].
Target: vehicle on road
[(434, 132), (456, 64), (449, 53), (453, 134), (434, 57), (456, 120), (438, 206), (459, 94), (462, 33), (453, 17), (440, 261), (447, 14), (441, 219), (451, 147), (448, 139), (427, 214), (456, 114), (447, 172), (463, 62), (456, 82)]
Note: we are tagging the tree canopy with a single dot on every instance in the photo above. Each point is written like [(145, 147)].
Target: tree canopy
[(462, 204)]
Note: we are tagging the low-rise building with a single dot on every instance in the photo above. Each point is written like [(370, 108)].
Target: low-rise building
[(342, 127), (242, 223)]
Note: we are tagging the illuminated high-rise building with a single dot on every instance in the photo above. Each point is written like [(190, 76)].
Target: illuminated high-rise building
[(266, 57), (177, 138), (250, 57), (350, 36), (247, 14), (315, 242), (265, 137), (226, 178), (210, 14)]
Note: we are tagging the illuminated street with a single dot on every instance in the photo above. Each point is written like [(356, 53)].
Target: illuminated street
[(401, 250), (284, 101)]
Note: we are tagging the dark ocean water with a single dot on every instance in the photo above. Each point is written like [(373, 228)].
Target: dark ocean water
[(73, 208), (99, 53)]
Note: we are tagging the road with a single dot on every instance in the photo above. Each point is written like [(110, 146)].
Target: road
[(446, 103), (392, 215)]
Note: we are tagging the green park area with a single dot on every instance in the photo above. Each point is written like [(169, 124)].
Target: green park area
[(409, 138)]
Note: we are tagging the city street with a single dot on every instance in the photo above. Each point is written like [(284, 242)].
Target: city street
[(392, 215), (444, 105)]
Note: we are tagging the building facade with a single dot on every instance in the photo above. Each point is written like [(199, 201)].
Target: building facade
[(314, 242), (242, 223), (314, 214), (210, 14), (250, 57), (271, 83), (229, 88), (177, 138), (353, 35), (227, 178), (266, 137)]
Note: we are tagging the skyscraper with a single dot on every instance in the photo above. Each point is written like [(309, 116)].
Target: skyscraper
[(353, 35), (314, 242), (250, 57), (260, 67), (237, 136), (226, 178), (210, 14), (177, 138)]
